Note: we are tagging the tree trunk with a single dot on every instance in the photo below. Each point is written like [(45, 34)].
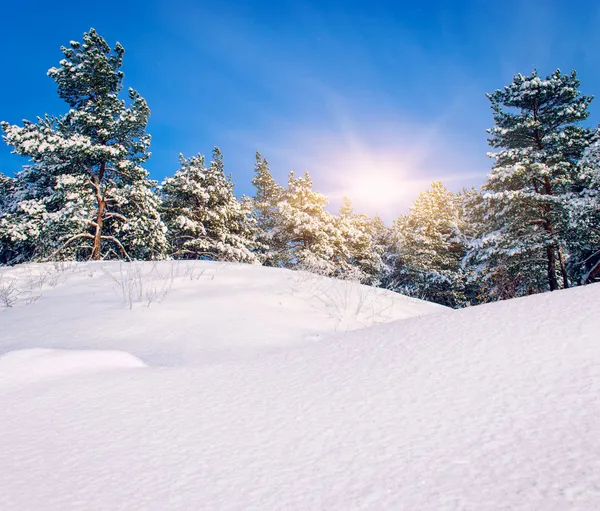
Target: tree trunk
[(563, 268), (101, 205), (96, 252), (551, 250), (552, 269)]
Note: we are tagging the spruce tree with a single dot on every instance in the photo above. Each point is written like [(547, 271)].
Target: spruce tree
[(83, 188), (526, 200), (204, 218)]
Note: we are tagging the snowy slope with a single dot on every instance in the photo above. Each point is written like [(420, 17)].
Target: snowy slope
[(176, 313), (493, 407)]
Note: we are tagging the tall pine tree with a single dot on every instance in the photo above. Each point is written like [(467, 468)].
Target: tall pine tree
[(526, 200), (86, 193)]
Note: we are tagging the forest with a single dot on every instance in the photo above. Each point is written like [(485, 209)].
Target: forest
[(85, 194)]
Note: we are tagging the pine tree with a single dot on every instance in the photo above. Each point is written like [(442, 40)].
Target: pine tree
[(584, 218), (265, 211), (144, 234), (204, 218), (430, 245), (526, 200), (306, 227), (268, 194), (9, 248), (383, 244), (80, 194), (358, 251), (7, 191)]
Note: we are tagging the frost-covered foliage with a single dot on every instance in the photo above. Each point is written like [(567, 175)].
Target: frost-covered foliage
[(6, 190), (264, 209), (584, 219), (306, 227), (525, 208), (360, 248), (430, 244), (204, 217), (86, 193), (144, 232), (10, 250), (300, 234)]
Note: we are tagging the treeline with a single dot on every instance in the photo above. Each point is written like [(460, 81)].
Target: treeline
[(534, 226)]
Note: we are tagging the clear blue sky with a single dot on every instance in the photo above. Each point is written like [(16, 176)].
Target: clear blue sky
[(356, 92)]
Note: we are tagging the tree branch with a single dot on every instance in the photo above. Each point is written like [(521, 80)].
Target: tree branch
[(116, 215), (118, 243), (587, 278), (69, 241)]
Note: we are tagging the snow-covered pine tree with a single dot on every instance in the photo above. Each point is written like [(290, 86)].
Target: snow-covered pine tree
[(44, 207), (358, 251), (80, 195), (584, 218), (526, 199), (268, 193), (204, 217), (9, 248), (469, 200), (591, 157), (430, 246), (382, 240), (306, 227), (144, 234), (6, 190), (264, 207)]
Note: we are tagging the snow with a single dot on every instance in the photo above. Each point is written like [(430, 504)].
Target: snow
[(256, 398), (37, 365), (187, 313)]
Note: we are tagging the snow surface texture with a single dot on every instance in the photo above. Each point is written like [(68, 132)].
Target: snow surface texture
[(488, 408)]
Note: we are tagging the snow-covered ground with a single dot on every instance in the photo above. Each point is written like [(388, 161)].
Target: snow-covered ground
[(185, 313), (229, 387)]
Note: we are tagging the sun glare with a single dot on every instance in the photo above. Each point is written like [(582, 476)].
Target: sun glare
[(386, 186), (375, 188), (377, 178)]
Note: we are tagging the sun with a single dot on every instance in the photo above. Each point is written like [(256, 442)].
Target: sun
[(376, 179), (375, 187)]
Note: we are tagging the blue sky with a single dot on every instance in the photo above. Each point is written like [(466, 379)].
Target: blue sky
[(375, 99)]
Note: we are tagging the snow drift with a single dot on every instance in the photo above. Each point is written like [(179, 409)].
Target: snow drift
[(186, 313), (38, 365), (493, 407)]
